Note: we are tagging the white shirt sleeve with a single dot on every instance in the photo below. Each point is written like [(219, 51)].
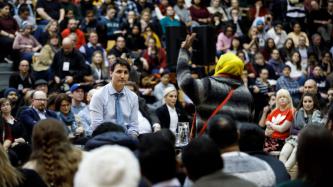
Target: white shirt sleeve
[(133, 126), (96, 110)]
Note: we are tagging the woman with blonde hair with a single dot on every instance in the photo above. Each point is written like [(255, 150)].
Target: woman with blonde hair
[(308, 114), (52, 28), (43, 61), (169, 114), (279, 121), (99, 71), (53, 156), (11, 177)]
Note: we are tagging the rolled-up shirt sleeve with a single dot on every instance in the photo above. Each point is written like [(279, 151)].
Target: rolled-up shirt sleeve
[(133, 125)]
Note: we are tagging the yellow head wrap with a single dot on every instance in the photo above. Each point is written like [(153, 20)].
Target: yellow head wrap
[(230, 64)]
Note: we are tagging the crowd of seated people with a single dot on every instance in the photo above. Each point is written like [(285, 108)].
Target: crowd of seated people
[(62, 52)]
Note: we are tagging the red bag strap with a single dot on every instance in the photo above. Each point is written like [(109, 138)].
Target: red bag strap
[(202, 131)]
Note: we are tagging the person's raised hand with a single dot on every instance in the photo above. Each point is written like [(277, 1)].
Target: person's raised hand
[(187, 44)]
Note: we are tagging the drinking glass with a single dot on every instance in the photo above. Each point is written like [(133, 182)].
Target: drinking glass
[(182, 134)]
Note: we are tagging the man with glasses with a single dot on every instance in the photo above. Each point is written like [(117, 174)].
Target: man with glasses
[(36, 112)]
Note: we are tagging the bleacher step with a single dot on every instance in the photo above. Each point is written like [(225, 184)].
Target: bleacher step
[(5, 72)]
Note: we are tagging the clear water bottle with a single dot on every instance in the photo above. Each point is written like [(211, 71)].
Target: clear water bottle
[(182, 134)]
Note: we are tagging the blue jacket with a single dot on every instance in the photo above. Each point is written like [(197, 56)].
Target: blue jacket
[(30, 117)]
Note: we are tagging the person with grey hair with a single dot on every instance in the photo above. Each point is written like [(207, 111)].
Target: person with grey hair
[(25, 42), (103, 167), (316, 47)]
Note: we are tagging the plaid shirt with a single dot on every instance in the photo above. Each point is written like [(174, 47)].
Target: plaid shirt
[(263, 88), (289, 84), (131, 6)]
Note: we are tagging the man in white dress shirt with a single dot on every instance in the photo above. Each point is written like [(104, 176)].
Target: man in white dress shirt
[(114, 102)]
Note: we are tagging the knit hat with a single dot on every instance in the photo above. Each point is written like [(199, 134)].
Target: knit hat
[(230, 64), (110, 165), (40, 82), (167, 90), (8, 90)]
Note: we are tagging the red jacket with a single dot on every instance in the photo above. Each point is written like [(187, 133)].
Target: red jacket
[(156, 63), (79, 34)]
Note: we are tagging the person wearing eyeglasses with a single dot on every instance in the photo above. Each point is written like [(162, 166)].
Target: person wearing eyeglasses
[(36, 112)]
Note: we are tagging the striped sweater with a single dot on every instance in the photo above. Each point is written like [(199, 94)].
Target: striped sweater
[(207, 93)]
